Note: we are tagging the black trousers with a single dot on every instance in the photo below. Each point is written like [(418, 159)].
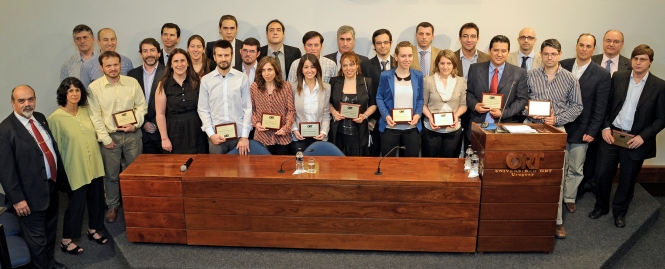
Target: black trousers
[(277, 149), (91, 195), (409, 138), (442, 145), (39, 230), (350, 145), (608, 158), (150, 146), (590, 181), (375, 149)]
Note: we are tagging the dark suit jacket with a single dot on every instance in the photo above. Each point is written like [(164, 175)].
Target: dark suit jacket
[(595, 88), (478, 83), (236, 53), (624, 63), (385, 96), (372, 69), (336, 91), (649, 114), (333, 57), (137, 73), (22, 169), (482, 57), (290, 54)]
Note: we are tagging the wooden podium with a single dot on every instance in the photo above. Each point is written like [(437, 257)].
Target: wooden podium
[(521, 180)]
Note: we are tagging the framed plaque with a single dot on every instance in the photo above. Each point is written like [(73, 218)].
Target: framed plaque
[(540, 108), (271, 121), (621, 138), (402, 115), (124, 117), (349, 111), (227, 130), (310, 129), (492, 100), (444, 118)]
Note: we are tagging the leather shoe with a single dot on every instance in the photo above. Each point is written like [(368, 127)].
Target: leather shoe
[(560, 231), (58, 265), (620, 222), (571, 207), (112, 214), (597, 213)]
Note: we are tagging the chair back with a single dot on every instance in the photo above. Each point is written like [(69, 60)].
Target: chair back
[(323, 148), (255, 148)]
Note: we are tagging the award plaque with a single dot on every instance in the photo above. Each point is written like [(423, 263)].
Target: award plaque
[(271, 121), (492, 100), (309, 129), (349, 111), (443, 118), (621, 138), (124, 117), (540, 108), (227, 130), (402, 115)]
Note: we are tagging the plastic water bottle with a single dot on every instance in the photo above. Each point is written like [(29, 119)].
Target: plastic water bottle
[(474, 162), (300, 160), (467, 160)]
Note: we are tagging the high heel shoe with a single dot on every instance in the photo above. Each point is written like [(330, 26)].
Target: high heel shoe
[(102, 240), (76, 251)]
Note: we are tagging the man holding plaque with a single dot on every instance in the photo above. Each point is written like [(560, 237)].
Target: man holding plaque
[(117, 110), (634, 117), (555, 95), (225, 105)]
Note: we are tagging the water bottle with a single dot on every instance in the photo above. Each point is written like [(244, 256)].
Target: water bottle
[(474, 162), (467, 160), (300, 160)]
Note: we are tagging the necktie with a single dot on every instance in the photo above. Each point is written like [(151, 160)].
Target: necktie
[(494, 86), (524, 61), (383, 65), (276, 55), (609, 65), (422, 63), (47, 152)]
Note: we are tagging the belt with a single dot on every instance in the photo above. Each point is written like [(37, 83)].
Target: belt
[(619, 129)]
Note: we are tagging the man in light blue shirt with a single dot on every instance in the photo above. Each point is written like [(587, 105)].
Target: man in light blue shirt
[(107, 41), (85, 43)]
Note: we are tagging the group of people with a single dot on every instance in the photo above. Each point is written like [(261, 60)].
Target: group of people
[(179, 97)]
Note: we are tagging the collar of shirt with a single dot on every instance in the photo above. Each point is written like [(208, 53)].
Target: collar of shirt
[(270, 51), (615, 60), (492, 67), (429, 50), (305, 87), (531, 55), (171, 82), (386, 59), (145, 71), (232, 72), (106, 82), (644, 79), (245, 70), (339, 56), (80, 56), (24, 120), (580, 69), (461, 56)]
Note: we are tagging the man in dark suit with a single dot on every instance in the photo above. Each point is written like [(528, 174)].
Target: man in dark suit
[(469, 34), (382, 40), (511, 82), (148, 76), (636, 104), (170, 38), (346, 40), (31, 172), (595, 88), (284, 54), (611, 59), (228, 29)]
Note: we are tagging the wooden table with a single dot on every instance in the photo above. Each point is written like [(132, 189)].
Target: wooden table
[(418, 204)]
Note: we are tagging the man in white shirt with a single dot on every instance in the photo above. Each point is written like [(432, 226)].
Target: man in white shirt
[(313, 43), (424, 54), (611, 59), (250, 53), (526, 57)]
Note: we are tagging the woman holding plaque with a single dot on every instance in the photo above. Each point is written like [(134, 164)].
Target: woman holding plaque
[(445, 102), (350, 105), (272, 107), (75, 135), (200, 63), (176, 101), (310, 98), (400, 101)]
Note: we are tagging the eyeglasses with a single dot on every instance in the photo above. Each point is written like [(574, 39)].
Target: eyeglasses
[(548, 55), (530, 38), (615, 42), (248, 51), (385, 43)]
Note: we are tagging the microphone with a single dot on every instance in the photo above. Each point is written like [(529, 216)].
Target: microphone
[(281, 171), (184, 167), (378, 168), (499, 129)]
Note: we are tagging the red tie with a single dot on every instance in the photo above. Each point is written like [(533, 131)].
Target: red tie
[(494, 86), (47, 152)]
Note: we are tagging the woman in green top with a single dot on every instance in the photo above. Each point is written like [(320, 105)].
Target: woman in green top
[(73, 131)]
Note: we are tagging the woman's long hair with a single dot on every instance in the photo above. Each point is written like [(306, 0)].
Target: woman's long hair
[(191, 74), (205, 61), (261, 82), (315, 61)]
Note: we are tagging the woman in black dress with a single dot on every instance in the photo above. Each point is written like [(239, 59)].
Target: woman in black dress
[(176, 101)]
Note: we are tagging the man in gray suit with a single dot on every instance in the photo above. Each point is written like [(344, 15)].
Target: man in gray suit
[(611, 59), (525, 56)]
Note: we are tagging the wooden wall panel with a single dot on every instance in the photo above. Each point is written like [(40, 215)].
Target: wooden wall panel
[(520, 194), (155, 220), (152, 204), (153, 188), (512, 211), (516, 227), (150, 235), (516, 243)]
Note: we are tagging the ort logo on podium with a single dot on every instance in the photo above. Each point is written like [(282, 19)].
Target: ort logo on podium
[(520, 160)]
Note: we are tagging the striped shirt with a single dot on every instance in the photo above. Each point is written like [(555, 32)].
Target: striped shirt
[(563, 91), (328, 67), (280, 102), (72, 66)]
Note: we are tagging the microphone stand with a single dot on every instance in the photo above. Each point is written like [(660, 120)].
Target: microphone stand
[(499, 129), (378, 168)]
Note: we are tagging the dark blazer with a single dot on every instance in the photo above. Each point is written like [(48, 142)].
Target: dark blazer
[(236, 53), (385, 96), (137, 73), (372, 69), (482, 57), (595, 88), (290, 54), (478, 83), (337, 88), (649, 114), (624, 63), (333, 57), (22, 169)]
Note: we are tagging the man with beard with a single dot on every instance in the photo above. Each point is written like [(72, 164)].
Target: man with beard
[(31, 171), (170, 38), (107, 41), (224, 99), (250, 53), (85, 43), (284, 54), (109, 95), (145, 75)]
